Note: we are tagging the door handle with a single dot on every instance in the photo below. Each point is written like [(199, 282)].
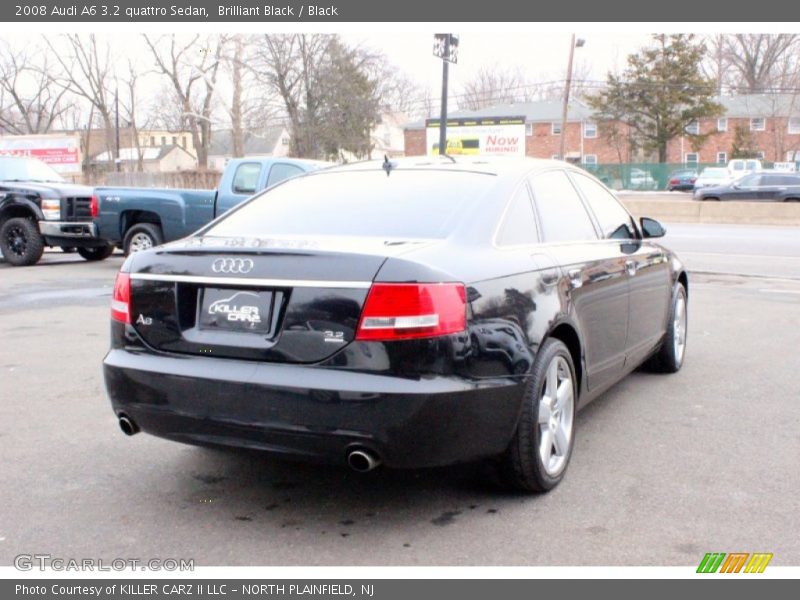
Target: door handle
[(575, 278), (630, 267)]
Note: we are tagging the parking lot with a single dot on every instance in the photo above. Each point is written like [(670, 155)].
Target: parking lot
[(665, 469)]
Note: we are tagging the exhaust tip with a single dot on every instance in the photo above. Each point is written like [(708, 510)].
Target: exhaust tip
[(362, 461), (127, 425)]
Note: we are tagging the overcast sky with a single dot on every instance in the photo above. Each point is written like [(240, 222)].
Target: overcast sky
[(543, 56)]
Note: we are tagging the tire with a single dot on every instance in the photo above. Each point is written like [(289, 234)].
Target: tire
[(711, 198), (21, 242), (669, 358), (528, 464), (96, 254), (142, 236)]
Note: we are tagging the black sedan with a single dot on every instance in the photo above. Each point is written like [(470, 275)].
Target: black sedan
[(418, 313), (766, 187)]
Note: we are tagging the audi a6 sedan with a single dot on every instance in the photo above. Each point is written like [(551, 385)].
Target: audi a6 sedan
[(418, 313)]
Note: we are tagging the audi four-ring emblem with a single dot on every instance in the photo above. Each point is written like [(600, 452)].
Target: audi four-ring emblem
[(238, 266)]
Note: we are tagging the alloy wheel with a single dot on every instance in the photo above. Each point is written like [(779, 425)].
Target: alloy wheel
[(679, 328), (556, 411)]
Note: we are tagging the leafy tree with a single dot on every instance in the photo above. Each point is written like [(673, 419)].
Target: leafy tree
[(328, 90), (743, 145), (349, 103), (660, 93)]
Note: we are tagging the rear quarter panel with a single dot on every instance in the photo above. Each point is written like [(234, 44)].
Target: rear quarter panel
[(180, 212)]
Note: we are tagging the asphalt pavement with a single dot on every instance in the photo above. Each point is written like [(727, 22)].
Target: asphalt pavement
[(737, 249), (665, 468)]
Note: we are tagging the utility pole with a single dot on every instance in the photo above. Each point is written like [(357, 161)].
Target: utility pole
[(562, 143), (118, 159), (445, 46)]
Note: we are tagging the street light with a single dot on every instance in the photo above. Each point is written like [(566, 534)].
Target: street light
[(573, 44), (445, 46)]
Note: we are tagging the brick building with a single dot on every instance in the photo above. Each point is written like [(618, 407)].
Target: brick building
[(771, 122)]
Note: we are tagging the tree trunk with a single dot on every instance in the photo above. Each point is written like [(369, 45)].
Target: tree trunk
[(662, 152), (237, 133)]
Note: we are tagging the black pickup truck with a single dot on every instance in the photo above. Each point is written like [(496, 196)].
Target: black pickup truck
[(39, 208)]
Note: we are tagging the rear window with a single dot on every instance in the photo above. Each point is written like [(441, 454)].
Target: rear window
[(405, 204)]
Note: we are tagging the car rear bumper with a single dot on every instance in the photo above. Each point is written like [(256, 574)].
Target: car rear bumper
[(314, 412)]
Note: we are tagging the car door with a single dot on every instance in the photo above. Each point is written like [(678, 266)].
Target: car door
[(246, 180), (771, 187), (646, 269), (746, 188), (593, 270)]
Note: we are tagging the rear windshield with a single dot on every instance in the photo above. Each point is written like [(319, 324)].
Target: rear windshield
[(405, 204)]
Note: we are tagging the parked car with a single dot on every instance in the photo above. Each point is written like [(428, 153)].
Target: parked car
[(682, 180), (39, 208), (355, 315), (743, 166), (641, 180), (776, 187), (140, 218), (712, 177)]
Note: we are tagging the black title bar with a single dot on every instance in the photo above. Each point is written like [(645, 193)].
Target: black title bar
[(133, 11)]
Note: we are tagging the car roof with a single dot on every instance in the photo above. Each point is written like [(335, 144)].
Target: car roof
[(504, 166)]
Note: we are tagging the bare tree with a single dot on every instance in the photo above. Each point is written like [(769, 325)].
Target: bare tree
[(87, 71), (191, 66), (29, 100), (252, 106), (290, 65), (131, 110), (494, 85), (758, 62)]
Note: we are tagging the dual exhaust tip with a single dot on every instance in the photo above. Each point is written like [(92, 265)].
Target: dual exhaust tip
[(362, 461), (128, 425), (359, 460)]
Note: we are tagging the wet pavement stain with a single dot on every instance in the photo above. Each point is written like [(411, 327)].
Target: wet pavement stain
[(244, 518), (209, 479), (446, 518)]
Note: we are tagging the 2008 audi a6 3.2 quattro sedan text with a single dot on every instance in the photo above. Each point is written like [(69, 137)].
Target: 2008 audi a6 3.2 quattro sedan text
[(417, 313)]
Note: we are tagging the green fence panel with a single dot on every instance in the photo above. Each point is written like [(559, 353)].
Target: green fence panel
[(644, 176)]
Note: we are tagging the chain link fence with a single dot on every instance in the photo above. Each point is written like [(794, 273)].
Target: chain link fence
[(646, 176)]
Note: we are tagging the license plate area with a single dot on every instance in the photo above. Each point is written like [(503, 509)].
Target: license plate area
[(243, 311)]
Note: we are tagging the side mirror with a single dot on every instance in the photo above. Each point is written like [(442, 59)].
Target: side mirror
[(652, 228), (735, 186)]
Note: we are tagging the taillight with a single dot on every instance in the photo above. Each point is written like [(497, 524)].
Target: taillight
[(674, 181), (121, 300), (94, 206), (401, 311)]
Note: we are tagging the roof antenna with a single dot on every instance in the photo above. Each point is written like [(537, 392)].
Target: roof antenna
[(388, 165)]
